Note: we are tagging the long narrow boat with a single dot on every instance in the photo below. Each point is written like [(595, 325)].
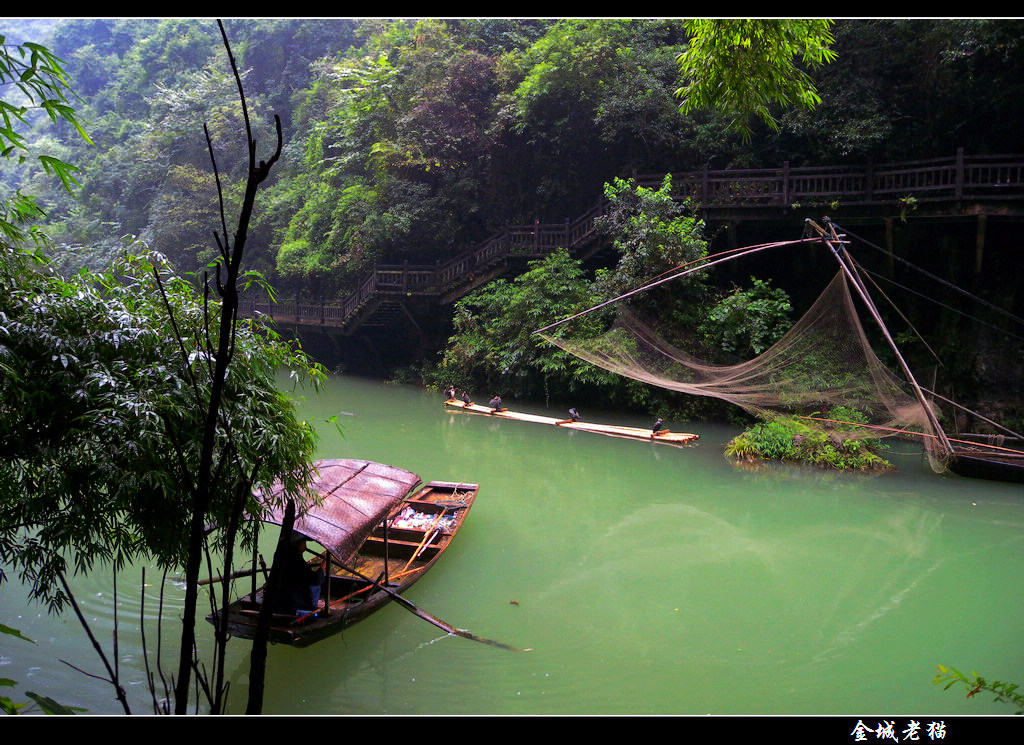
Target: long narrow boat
[(381, 534), (985, 461), (632, 433)]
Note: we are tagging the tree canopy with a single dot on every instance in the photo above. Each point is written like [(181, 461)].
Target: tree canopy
[(413, 139), (139, 413), (404, 140), (32, 80), (743, 66), (103, 375), (493, 348), (99, 418)]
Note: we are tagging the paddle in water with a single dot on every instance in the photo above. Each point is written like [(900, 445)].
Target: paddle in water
[(444, 626)]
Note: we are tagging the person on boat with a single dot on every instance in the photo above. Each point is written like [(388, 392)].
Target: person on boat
[(302, 582), (466, 399), (450, 393), (574, 415), (495, 403), (657, 426)]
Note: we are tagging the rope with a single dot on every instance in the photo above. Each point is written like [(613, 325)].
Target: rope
[(942, 305), (899, 312), (741, 252), (916, 434), (937, 279), (964, 408)]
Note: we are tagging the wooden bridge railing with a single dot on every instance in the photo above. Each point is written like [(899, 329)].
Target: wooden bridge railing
[(528, 241), (951, 178)]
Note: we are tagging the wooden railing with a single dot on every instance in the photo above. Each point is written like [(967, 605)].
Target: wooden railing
[(952, 178), (960, 177), (399, 280)]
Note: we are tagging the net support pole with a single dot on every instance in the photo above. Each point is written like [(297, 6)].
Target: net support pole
[(832, 240)]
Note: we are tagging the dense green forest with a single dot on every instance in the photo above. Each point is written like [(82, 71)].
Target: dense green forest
[(415, 138), (412, 139)]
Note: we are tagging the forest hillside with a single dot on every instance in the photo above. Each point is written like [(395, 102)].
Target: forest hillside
[(414, 139)]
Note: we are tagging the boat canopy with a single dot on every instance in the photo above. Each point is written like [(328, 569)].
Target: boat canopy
[(356, 496)]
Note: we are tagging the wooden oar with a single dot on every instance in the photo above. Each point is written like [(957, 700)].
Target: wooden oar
[(426, 538), (233, 575), (447, 627), (424, 546), (361, 590)]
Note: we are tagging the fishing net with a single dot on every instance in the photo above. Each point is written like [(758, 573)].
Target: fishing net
[(825, 360)]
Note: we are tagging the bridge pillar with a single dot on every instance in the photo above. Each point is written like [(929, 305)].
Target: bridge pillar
[(889, 244), (979, 242)]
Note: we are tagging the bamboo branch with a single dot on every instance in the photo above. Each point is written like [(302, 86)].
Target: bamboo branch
[(96, 645)]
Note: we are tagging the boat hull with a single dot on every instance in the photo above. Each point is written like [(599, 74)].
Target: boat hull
[(980, 467)]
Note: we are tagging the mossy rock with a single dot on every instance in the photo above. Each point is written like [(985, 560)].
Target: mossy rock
[(798, 440)]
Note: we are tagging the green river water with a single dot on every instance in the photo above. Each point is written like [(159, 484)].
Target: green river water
[(643, 578)]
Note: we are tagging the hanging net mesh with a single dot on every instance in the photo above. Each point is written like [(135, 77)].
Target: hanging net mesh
[(823, 361)]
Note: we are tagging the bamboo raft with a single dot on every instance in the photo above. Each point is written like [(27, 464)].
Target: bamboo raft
[(632, 433)]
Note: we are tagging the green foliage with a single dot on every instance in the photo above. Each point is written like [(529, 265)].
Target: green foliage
[(906, 204), (335, 233), (44, 703), (747, 322), (39, 76), (181, 216), (796, 439), (395, 151), (39, 83), (493, 346), (653, 234), (1002, 692), (960, 84), (101, 418), (744, 66), (455, 127), (847, 414), (576, 76), (587, 81)]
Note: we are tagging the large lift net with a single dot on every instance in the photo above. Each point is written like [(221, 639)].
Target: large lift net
[(824, 360)]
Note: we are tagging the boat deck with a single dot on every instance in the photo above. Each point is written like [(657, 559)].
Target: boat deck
[(632, 433)]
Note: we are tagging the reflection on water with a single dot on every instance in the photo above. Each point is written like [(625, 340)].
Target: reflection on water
[(645, 578)]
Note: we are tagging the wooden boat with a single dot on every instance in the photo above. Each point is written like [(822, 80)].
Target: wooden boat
[(380, 537), (987, 467), (990, 462), (633, 433)]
